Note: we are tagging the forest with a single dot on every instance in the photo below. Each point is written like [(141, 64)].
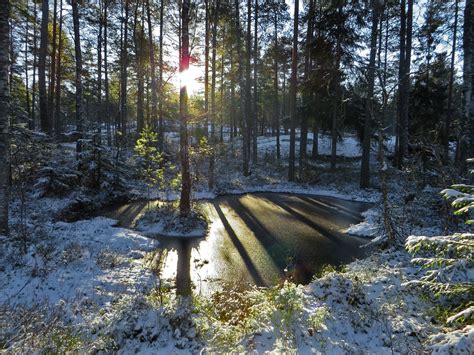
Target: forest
[(237, 176)]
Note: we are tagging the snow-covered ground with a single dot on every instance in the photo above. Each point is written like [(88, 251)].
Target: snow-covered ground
[(91, 286), (89, 262)]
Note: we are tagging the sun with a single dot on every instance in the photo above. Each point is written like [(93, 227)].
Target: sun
[(190, 79)]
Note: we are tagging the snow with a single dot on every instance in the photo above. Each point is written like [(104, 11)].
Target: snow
[(88, 261), (460, 341), (348, 147), (370, 312), (369, 227), (98, 277), (168, 222)]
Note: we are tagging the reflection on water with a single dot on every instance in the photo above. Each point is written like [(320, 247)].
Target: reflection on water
[(258, 239), (183, 269)]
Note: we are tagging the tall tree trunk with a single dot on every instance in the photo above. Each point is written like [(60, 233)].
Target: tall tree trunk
[(123, 72), (407, 81), (337, 97), (401, 74), (43, 52), (232, 94), (138, 35), (27, 85), (248, 92), (215, 18), (35, 64), (185, 200), (154, 87), (255, 88), (52, 72), (447, 126), (243, 111), (161, 132), (406, 19), (106, 74), (57, 101), (307, 95), (12, 56), (100, 109), (465, 141), (206, 69), (384, 17), (294, 68), (284, 96), (275, 84), (78, 55), (4, 115), (314, 150), (222, 90), (365, 162)]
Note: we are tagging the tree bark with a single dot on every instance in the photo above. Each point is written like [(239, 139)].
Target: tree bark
[(35, 64), (206, 70), (138, 35), (447, 126), (27, 85), (99, 74), (154, 87), (57, 92), (365, 162), (43, 52), (243, 111), (465, 141), (294, 68), (52, 72), (275, 83), (248, 91), (255, 88), (233, 125), (307, 95), (215, 18), (78, 55), (161, 132), (337, 97), (123, 73), (185, 200), (4, 115), (404, 78), (106, 75), (222, 89)]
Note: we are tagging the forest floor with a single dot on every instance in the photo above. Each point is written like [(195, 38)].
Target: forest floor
[(73, 281)]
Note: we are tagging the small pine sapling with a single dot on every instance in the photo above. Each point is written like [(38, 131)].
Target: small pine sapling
[(449, 260)]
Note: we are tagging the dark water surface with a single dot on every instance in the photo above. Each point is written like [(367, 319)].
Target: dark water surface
[(260, 239)]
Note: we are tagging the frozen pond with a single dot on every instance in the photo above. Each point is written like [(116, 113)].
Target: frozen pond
[(260, 239)]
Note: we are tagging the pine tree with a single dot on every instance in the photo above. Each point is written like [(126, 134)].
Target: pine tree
[(185, 200), (78, 56), (43, 51), (294, 74), (4, 114), (369, 111)]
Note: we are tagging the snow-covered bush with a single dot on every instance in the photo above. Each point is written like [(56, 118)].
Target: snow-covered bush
[(462, 200), (167, 220), (56, 181), (449, 262), (36, 329), (228, 319)]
